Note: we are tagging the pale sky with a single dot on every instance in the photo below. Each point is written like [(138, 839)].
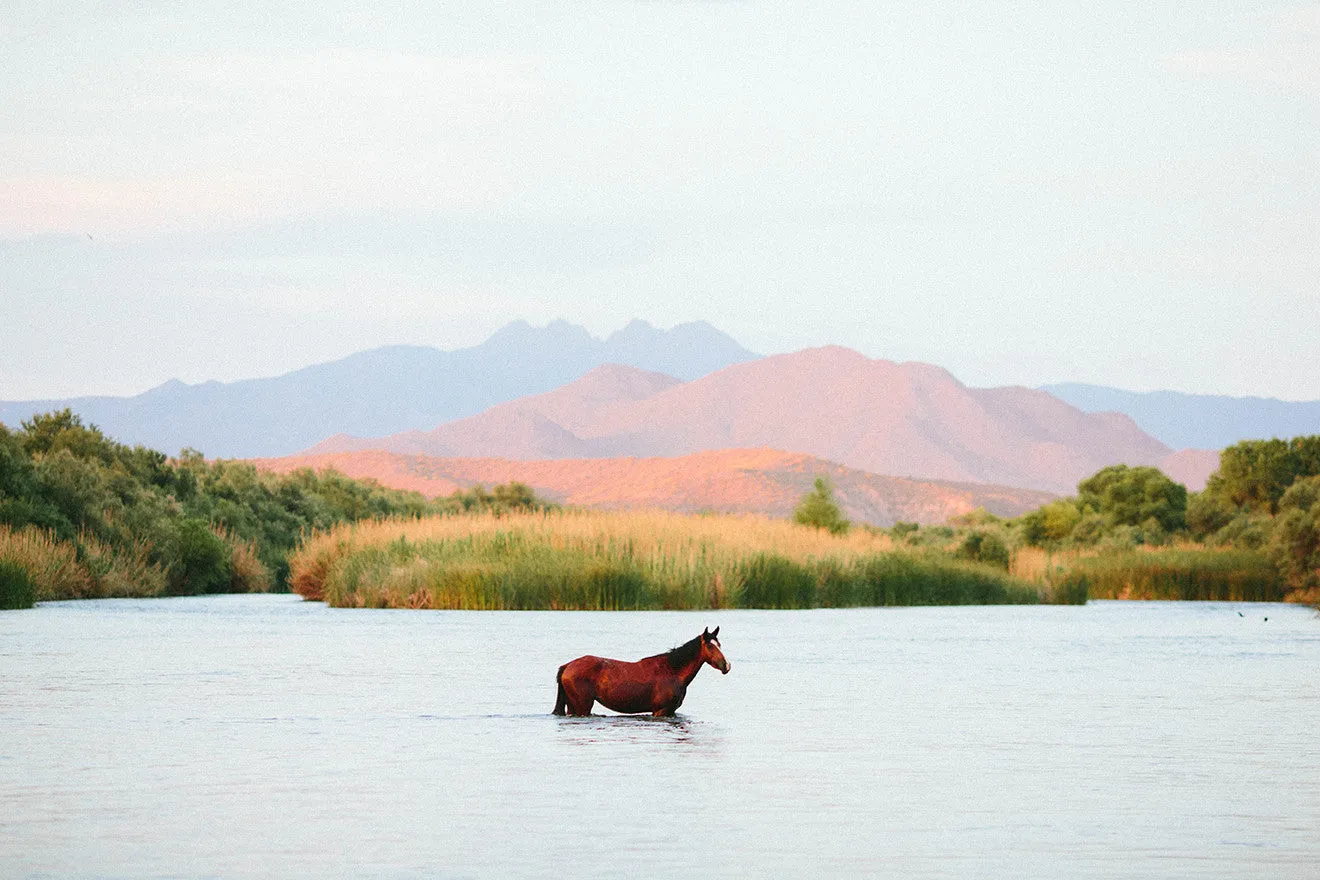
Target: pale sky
[(1126, 193)]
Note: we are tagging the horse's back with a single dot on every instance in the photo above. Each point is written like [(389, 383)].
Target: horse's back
[(588, 664)]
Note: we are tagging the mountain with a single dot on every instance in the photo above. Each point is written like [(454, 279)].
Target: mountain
[(1191, 467), (732, 480), (386, 389), (1200, 421), (909, 419)]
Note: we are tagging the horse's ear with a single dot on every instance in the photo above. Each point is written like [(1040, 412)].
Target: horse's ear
[(716, 633), (705, 633)]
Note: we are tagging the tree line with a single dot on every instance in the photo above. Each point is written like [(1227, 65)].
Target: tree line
[(1264, 500), (81, 514)]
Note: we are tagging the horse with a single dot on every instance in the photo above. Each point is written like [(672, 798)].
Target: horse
[(655, 684)]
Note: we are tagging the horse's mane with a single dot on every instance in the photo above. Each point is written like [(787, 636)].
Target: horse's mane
[(684, 654)]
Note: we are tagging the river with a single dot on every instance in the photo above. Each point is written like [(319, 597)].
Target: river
[(264, 736)]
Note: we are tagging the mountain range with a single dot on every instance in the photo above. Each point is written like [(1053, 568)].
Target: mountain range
[(1202, 421), (763, 481), (385, 389), (910, 420), (534, 393)]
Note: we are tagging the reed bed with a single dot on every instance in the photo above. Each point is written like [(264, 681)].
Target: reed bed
[(87, 568), (1184, 573), (633, 560), (17, 589), (51, 565)]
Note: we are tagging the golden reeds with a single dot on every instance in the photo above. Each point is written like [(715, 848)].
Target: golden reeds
[(636, 559)]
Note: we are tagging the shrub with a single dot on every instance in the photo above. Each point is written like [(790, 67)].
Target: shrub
[(199, 560), (986, 547), (902, 529), (52, 564), (17, 589), (1247, 531)]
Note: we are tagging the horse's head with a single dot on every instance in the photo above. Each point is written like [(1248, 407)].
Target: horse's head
[(710, 650)]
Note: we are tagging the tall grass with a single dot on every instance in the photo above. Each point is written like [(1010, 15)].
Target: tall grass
[(1189, 574), (635, 560), (16, 587), (51, 564), (118, 572), (86, 568), (247, 573)]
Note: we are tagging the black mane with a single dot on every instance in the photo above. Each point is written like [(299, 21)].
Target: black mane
[(684, 654)]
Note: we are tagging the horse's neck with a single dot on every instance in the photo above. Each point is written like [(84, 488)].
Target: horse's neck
[(689, 672)]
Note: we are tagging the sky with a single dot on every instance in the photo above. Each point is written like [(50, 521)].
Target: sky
[(1124, 193)]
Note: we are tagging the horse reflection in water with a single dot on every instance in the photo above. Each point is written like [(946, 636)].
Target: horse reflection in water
[(656, 684)]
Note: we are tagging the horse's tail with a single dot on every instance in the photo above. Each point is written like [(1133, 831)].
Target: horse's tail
[(561, 703)]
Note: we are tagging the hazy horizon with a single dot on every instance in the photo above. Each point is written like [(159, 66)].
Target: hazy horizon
[(1118, 195)]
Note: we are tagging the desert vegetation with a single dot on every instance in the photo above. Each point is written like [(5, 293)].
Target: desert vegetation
[(635, 560), (1253, 534), (82, 516)]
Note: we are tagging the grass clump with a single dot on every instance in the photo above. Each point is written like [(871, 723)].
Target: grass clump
[(51, 565), (17, 589)]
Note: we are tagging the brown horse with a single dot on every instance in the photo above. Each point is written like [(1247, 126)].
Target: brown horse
[(656, 684)]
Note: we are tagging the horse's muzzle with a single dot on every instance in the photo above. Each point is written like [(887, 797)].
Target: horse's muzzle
[(725, 668)]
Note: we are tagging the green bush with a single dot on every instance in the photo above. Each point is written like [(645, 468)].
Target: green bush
[(199, 560), (17, 589), (140, 521), (986, 547)]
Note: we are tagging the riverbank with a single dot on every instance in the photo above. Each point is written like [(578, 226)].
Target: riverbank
[(591, 560)]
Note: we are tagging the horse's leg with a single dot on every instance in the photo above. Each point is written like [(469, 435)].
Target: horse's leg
[(669, 698), (579, 695), (580, 704)]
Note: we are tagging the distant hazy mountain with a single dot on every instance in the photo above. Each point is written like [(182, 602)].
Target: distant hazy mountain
[(762, 481), (386, 389), (1201, 421), (906, 420)]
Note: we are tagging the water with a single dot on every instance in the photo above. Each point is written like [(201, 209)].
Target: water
[(264, 736)]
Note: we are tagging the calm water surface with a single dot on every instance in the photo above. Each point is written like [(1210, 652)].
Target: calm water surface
[(266, 736)]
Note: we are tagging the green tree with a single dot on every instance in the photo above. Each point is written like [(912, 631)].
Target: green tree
[(1051, 523), (1295, 543), (1133, 496), (819, 509), (1206, 514), (49, 432), (1254, 474), (515, 496), (987, 547)]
